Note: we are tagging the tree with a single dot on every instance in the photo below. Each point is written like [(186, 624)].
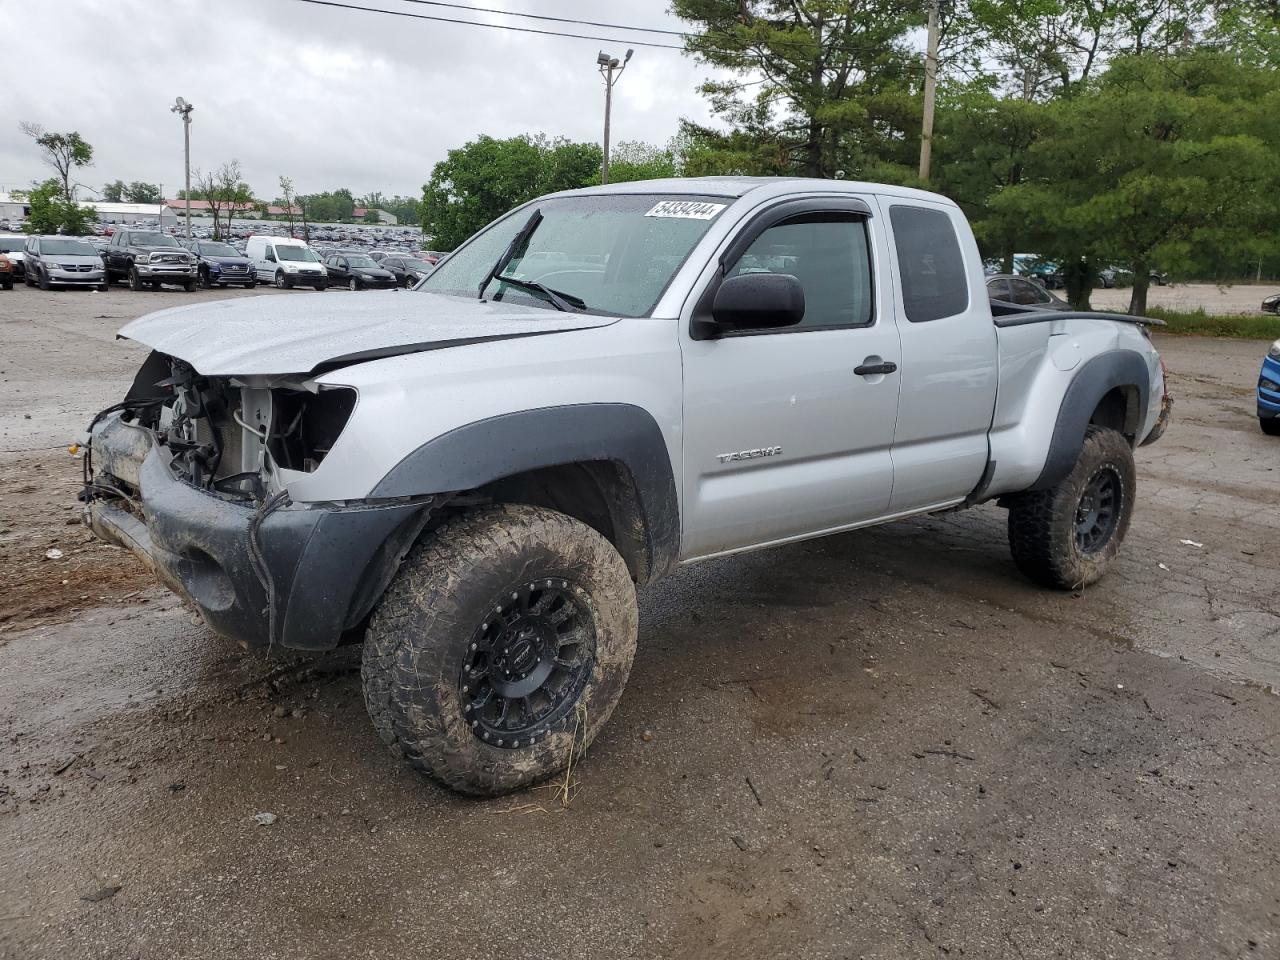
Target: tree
[(287, 200), (223, 189), (64, 152), (52, 213), (822, 85), (139, 192), (482, 180), (636, 160), (113, 192), (1162, 163)]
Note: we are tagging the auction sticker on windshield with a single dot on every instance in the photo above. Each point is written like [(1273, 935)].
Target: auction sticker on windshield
[(685, 209)]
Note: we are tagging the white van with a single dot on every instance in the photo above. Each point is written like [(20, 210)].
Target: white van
[(286, 263)]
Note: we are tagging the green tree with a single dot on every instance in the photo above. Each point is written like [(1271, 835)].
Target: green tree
[(53, 213), (820, 86), (225, 191), (64, 152), (139, 192), (636, 160), (113, 192), (1163, 163), (482, 180)]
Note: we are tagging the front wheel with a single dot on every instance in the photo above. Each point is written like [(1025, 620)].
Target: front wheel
[(42, 279), (1068, 535), (251, 284), (282, 282), (202, 279), (1270, 426), (501, 648), (353, 285), (135, 279)]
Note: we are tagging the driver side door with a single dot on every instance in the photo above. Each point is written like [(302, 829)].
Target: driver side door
[(788, 430)]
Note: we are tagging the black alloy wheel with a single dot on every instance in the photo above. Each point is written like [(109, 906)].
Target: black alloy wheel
[(527, 664), (1098, 512)]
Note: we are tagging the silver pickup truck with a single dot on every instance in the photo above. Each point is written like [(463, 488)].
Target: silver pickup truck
[(473, 477)]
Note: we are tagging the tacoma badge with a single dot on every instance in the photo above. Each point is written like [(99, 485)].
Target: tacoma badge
[(749, 454)]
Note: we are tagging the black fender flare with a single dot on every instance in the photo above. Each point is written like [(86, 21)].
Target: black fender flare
[(1093, 381), (476, 454)]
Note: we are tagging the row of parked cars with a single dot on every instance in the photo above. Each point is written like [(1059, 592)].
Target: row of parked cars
[(149, 258)]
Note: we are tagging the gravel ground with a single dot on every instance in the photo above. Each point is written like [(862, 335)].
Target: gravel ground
[(883, 744)]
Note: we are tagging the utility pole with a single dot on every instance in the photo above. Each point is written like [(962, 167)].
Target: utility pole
[(608, 65), (930, 90), (183, 109)]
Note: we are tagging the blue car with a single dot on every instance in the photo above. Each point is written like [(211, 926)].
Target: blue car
[(221, 264), (1269, 392)]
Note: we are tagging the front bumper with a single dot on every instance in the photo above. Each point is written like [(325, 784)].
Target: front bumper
[(328, 564), (163, 271), (87, 278), (307, 279)]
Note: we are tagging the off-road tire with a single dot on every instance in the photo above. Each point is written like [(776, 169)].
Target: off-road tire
[(1042, 523), (1270, 426), (421, 633), (135, 279)]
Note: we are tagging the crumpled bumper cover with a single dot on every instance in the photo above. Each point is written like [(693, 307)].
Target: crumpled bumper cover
[(328, 564)]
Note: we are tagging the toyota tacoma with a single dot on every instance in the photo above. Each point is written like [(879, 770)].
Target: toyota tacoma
[(473, 478)]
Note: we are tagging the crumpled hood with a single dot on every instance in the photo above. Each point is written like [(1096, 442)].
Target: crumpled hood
[(301, 333)]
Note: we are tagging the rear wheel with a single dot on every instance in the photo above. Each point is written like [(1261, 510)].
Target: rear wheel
[(501, 648), (1068, 535), (1270, 426)]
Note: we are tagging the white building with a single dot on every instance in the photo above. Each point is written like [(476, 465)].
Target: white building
[(14, 208)]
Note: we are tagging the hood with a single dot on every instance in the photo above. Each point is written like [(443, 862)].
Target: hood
[(372, 272), (163, 248), (243, 261), (77, 258), (296, 334)]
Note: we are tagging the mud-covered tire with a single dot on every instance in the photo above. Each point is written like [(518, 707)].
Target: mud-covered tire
[(448, 588), (1044, 534)]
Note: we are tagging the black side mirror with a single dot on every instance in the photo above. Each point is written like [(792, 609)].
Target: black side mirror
[(756, 301)]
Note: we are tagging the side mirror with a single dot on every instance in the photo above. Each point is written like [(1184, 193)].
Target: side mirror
[(756, 301)]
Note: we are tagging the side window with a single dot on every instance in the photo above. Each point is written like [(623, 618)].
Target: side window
[(829, 254), (998, 289), (1025, 292), (933, 276)]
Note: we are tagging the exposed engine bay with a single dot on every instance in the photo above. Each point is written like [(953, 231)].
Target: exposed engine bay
[(237, 438)]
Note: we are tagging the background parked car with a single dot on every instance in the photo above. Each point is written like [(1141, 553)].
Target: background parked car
[(220, 264), (407, 270), (287, 263), (6, 272), (356, 271), (1007, 288), (1269, 392), (148, 257), (63, 262), (12, 246), (1271, 304)]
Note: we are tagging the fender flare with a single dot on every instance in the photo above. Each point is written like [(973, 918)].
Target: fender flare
[(476, 454), (1095, 379)]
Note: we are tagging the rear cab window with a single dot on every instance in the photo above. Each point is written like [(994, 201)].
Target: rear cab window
[(930, 264)]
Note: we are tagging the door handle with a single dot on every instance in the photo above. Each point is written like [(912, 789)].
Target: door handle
[(870, 369)]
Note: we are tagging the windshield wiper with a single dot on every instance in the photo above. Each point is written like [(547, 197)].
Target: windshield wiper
[(559, 299), (517, 243)]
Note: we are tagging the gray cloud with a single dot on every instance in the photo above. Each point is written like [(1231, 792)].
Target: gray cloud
[(329, 97)]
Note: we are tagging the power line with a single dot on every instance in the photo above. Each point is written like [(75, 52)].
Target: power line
[(777, 41), (492, 26), (541, 16)]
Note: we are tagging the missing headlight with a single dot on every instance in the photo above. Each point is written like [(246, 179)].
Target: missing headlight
[(305, 426)]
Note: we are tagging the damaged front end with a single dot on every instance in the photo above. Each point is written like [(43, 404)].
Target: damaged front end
[(191, 473)]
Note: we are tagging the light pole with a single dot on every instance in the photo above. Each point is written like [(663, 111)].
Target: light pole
[(183, 109), (608, 65)]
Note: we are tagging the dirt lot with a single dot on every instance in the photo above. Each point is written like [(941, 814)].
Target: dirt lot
[(884, 744)]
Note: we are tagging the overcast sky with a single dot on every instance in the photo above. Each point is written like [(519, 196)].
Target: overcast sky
[(329, 97)]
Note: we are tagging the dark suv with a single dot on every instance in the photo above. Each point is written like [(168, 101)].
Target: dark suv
[(220, 264), (148, 257)]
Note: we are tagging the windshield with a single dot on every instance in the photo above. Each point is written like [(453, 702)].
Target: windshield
[(614, 252), (152, 240), (218, 250), (74, 248), (360, 262), (416, 264), (12, 244), (303, 254)]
